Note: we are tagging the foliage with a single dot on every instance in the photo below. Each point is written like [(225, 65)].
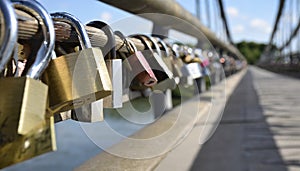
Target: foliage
[(251, 50)]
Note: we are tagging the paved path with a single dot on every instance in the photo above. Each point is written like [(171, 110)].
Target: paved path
[(260, 128)]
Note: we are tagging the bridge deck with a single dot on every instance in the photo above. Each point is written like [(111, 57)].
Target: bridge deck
[(259, 130)]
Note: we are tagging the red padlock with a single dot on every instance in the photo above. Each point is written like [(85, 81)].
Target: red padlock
[(141, 74)]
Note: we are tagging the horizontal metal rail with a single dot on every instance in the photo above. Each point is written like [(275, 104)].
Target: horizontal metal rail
[(172, 8)]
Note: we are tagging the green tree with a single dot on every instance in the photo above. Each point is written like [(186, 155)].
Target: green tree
[(251, 50)]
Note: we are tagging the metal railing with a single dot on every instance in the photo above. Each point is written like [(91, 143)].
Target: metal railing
[(172, 8)]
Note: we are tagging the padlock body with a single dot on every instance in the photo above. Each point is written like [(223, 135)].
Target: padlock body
[(177, 64), (166, 84), (168, 62), (193, 70), (141, 76), (158, 66), (77, 79), (22, 105), (164, 74), (114, 68), (89, 113), (36, 142)]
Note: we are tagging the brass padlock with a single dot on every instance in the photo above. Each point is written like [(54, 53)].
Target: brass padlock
[(141, 76), (161, 71), (24, 147), (78, 78), (9, 35), (25, 131), (113, 65), (26, 96)]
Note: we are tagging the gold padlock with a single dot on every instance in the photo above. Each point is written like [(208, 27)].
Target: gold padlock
[(78, 78), (25, 97), (23, 122), (34, 143)]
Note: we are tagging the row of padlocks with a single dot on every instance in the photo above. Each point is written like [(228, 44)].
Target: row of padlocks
[(48, 74)]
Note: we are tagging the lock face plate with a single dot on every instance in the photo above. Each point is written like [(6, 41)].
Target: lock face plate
[(115, 71), (77, 79), (142, 76), (23, 107), (193, 70), (34, 143)]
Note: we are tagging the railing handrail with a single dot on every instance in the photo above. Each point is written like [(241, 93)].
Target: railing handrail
[(171, 7)]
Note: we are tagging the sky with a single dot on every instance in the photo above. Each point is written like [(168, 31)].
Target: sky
[(250, 20)]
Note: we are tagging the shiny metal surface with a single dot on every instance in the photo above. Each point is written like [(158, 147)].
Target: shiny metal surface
[(9, 32), (44, 53)]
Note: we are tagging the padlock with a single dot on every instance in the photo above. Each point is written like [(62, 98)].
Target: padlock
[(165, 53), (203, 60), (25, 131), (25, 101), (153, 56), (113, 65), (77, 78), (126, 67), (9, 35), (24, 147), (192, 65), (94, 112), (185, 78), (141, 76), (177, 63)]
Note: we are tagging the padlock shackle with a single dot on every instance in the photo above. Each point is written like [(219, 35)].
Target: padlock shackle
[(154, 44), (132, 45), (164, 46), (110, 46), (65, 17), (44, 53), (175, 50), (125, 42), (10, 26)]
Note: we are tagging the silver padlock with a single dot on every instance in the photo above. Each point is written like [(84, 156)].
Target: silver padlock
[(193, 69), (165, 53), (185, 77), (113, 65), (177, 63), (10, 36)]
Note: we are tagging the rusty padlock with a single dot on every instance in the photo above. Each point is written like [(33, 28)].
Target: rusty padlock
[(141, 76), (154, 57)]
